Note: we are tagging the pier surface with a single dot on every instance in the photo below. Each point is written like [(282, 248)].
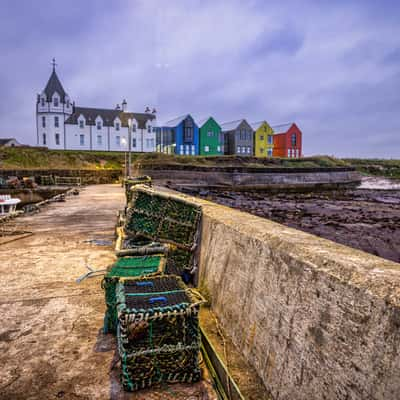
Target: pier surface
[(51, 343)]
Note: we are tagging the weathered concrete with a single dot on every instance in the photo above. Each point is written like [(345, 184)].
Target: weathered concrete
[(255, 178), (51, 345), (317, 319)]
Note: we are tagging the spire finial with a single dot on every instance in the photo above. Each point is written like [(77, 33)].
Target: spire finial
[(53, 63)]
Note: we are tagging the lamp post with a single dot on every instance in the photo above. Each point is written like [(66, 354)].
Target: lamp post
[(129, 145), (123, 140)]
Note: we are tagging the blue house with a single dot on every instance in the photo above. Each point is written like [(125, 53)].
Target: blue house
[(179, 136)]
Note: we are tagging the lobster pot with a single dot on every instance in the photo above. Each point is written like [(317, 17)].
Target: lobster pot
[(162, 217), (179, 261), (158, 332), (136, 245), (123, 268), (132, 181)]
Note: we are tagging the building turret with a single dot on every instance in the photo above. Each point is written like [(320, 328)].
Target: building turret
[(124, 105), (53, 107)]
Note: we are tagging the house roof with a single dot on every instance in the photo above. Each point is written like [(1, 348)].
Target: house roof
[(228, 126), (281, 128), (200, 122), (108, 116), (54, 85), (176, 121), (6, 140)]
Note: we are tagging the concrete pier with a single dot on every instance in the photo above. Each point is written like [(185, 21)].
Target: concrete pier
[(51, 345)]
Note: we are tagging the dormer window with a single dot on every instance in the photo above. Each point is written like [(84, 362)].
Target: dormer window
[(55, 101), (44, 122), (117, 126), (149, 128), (81, 124), (134, 128), (42, 101), (98, 124)]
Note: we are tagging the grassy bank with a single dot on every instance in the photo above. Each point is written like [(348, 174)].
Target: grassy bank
[(376, 167), (41, 158)]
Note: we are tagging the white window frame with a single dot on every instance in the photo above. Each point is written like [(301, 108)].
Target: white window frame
[(81, 123), (206, 149), (99, 140), (56, 121), (57, 138), (239, 149), (118, 141), (82, 139)]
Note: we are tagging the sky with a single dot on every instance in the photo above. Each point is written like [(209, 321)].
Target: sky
[(333, 67)]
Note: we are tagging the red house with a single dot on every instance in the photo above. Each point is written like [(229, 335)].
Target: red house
[(287, 140)]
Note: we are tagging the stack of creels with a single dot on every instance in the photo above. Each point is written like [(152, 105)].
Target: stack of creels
[(158, 332), (126, 268), (135, 180), (163, 217)]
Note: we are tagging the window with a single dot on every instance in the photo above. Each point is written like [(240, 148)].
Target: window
[(270, 139), (206, 149), (99, 140), (55, 101), (118, 140), (154, 129), (239, 149), (81, 124), (261, 150), (261, 137), (218, 148), (44, 122), (44, 139), (42, 101), (293, 140), (149, 128), (98, 124), (249, 150), (188, 130), (181, 149), (289, 152), (193, 150), (117, 126), (57, 137), (56, 122), (133, 142), (134, 128), (269, 152), (210, 133), (82, 140)]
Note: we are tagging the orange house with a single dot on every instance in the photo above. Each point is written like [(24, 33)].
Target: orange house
[(287, 141)]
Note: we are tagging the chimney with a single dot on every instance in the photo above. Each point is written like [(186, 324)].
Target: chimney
[(117, 107), (124, 105), (154, 111), (147, 110)]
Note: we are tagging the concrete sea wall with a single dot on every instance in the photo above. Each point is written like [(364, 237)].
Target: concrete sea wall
[(254, 177), (317, 320)]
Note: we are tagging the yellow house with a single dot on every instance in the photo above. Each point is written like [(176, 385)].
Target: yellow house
[(263, 139)]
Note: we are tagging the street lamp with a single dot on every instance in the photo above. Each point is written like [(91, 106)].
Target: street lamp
[(123, 141), (129, 146)]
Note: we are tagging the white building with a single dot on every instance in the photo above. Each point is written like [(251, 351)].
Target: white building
[(62, 125)]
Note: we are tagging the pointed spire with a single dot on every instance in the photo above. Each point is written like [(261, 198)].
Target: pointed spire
[(54, 85), (53, 63)]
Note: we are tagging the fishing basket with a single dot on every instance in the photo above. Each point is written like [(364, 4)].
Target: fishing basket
[(163, 217), (136, 245), (158, 331), (132, 181), (126, 268)]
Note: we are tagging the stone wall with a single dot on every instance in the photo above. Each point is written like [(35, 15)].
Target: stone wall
[(318, 320), (255, 177), (88, 176)]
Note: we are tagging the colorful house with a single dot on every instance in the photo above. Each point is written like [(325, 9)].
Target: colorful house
[(287, 140), (179, 136), (263, 139), (238, 138), (210, 138)]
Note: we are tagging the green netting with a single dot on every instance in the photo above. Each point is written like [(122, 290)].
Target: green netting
[(158, 332), (178, 260), (137, 180), (160, 216), (125, 267)]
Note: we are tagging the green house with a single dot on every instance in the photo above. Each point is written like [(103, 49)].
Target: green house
[(210, 137)]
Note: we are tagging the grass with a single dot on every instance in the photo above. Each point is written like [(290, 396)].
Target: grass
[(43, 158), (377, 167)]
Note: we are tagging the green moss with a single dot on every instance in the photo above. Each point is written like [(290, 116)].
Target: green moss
[(377, 167)]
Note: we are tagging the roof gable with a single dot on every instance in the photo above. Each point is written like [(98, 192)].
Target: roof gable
[(176, 121), (232, 125), (53, 86), (282, 128), (204, 121)]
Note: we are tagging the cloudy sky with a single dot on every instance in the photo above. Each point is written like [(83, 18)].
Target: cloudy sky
[(331, 66)]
